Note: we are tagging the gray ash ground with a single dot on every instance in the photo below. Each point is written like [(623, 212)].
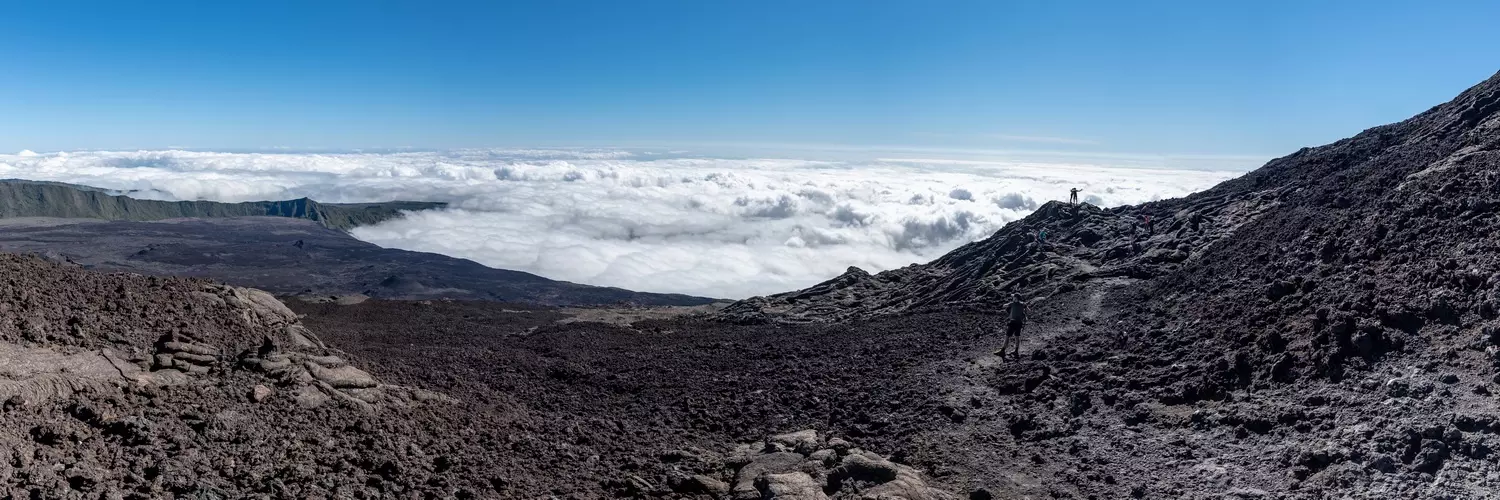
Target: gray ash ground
[(1324, 327)]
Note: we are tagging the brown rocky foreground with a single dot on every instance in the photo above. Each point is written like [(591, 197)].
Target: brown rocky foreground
[(128, 386)]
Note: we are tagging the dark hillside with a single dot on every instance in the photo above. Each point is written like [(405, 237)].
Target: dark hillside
[(1323, 326)]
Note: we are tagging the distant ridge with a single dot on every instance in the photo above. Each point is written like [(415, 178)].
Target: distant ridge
[(24, 198)]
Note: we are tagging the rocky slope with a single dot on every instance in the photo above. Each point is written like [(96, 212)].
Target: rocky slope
[(127, 386), (21, 198), (1436, 169), (1323, 326), (116, 385), (661, 408)]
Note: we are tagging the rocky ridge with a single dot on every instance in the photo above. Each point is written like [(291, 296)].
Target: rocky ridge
[(23, 198), (1083, 243)]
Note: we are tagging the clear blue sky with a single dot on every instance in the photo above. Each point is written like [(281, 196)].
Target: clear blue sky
[(1253, 78)]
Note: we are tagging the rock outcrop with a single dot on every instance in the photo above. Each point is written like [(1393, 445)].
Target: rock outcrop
[(125, 377), (798, 466)]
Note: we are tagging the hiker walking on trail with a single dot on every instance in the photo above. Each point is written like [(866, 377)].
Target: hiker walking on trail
[(1073, 196), (1016, 320)]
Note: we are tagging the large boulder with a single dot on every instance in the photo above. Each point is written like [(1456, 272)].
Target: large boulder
[(770, 463), (836, 469), (804, 441), (259, 308), (789, 486)]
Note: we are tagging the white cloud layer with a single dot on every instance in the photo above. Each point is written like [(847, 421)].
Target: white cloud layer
[(645, 221)]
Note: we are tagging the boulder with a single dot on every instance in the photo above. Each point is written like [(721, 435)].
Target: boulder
[(190, 348), (344, 377), (892, 481), (804, 441), (257, 307), (273, 365), (1431, 456), (789, 486), (329, 361), (195, 358), (259, 393), (769, 463), (1397, 387), (1383, 463), (908, 486), (864, 468), (310, 397), (300, 336), (700, 485)]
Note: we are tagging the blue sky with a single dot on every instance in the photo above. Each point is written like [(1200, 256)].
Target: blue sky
[(1200, 77)]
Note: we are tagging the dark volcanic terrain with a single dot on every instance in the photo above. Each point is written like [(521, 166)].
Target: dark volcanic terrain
[(1327, 326), (293, 257)]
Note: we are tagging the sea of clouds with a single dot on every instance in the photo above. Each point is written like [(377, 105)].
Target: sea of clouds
[(728, 227)]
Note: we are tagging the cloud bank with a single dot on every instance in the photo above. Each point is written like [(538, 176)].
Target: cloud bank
[(661, 222)]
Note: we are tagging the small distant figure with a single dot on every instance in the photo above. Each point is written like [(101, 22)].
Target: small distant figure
[(1146, 221), (1041, 236), (1017, 319), (298, 244), (1073, 196)]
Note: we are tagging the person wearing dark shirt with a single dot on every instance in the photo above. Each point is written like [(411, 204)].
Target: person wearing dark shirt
[(1016, 320)]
